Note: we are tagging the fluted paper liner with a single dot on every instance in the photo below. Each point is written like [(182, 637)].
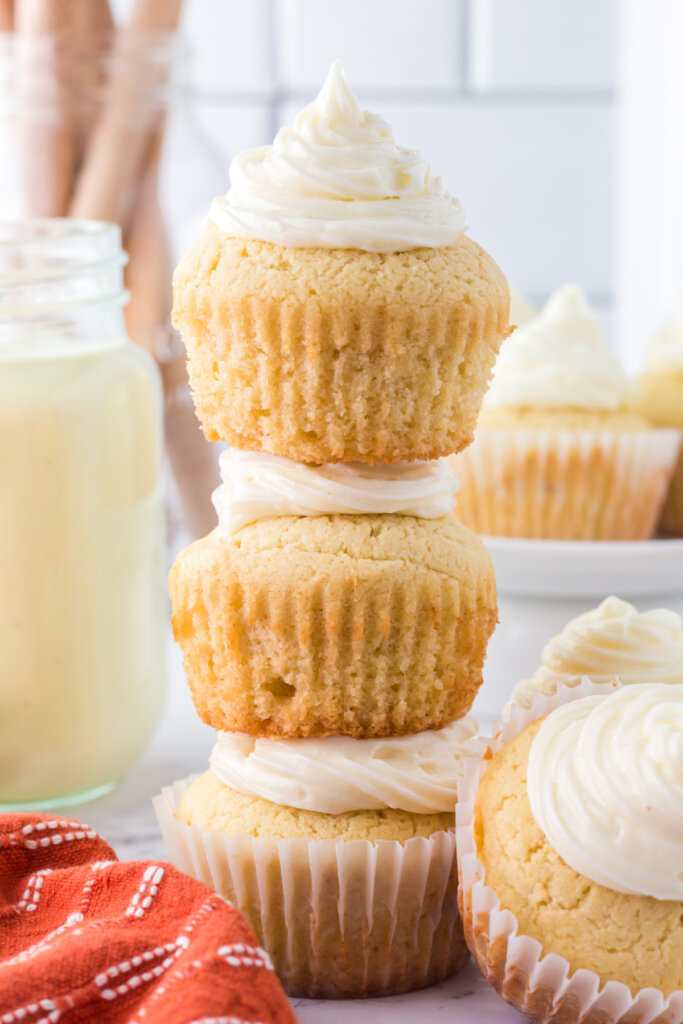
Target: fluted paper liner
[(671, 519), (333, 355), (565, 484), (339, 918), (538, 984)]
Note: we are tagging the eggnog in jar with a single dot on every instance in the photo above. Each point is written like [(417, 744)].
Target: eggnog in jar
[(82, 605)]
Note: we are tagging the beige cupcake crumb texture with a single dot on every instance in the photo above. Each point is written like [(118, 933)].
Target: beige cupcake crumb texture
[(329, 355), (213, 805), (355, 625), (637, 940)]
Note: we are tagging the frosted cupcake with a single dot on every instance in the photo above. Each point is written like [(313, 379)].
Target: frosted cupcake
[(558, 452), (570, 846), (340, 852), (660, 399), (333, 600), (612, 640), (333, 308)]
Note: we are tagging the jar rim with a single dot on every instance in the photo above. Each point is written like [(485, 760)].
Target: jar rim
[(88, 243), (58, 262)]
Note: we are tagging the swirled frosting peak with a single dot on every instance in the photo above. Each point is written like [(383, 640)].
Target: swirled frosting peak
[(605, 785), (256, 485), (336, 179), (558, 360), (417, 773), (614, 639)]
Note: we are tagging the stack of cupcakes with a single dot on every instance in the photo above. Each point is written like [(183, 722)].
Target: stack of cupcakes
[(341, 331)]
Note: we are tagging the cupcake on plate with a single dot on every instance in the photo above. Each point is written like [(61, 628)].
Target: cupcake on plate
[(558, 452), (340, 852), (350, 603), (334, 296), (660, 399), (611, 640), (570, 845)]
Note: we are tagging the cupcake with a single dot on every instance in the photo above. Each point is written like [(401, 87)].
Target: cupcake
[(340, 332), (570, 846), (558, 453), (660, 399), (364, 624), (612, 640), (334, 296), (340, 852)]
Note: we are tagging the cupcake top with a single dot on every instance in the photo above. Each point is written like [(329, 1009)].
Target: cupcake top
[(665, 349), (558, 360), (611, 640), (256, 485), (418, 772), (336, 179), (605, 786)]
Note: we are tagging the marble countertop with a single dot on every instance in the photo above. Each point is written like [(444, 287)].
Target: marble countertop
[(125, 818)]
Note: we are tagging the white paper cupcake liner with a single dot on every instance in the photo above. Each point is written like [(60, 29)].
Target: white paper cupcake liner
[(565, 484), (338, 918), (537, 984)]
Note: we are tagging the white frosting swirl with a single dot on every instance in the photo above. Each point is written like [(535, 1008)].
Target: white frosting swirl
[(337, 179), (605, 784), (417, 773), (559, 359), (256, 485), (612, 640), (665, 349)]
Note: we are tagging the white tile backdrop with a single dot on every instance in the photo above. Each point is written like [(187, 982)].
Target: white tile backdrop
[(513, 102)]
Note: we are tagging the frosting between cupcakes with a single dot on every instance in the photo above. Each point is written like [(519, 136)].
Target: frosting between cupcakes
[(256, 485), (558, 360), (337, 179), (665, 349), (605, 785), (417, 773), (612, 640)]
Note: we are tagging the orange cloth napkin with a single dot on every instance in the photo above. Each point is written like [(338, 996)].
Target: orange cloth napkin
[(84, 938)]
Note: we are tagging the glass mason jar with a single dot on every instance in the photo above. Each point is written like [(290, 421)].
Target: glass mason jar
[(82, 571), (99, 126)]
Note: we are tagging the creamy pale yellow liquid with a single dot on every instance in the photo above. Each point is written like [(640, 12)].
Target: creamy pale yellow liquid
[(82, 589)]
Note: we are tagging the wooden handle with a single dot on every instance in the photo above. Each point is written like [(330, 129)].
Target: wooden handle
[(6, 15), (120, 141)]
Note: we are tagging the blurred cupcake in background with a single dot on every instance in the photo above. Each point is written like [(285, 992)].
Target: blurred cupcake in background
[(614, 639), (559, 452), (660, 399)]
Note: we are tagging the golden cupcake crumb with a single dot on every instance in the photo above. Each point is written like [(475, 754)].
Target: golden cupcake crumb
[(330, 355), (637, 940), (210, 803), (363, 625)]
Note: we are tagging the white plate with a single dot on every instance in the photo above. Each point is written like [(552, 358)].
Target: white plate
[(587, 569)]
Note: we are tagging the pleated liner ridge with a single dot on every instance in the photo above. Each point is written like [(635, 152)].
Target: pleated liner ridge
[(363, 372), (339, 919), (283, 641)]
